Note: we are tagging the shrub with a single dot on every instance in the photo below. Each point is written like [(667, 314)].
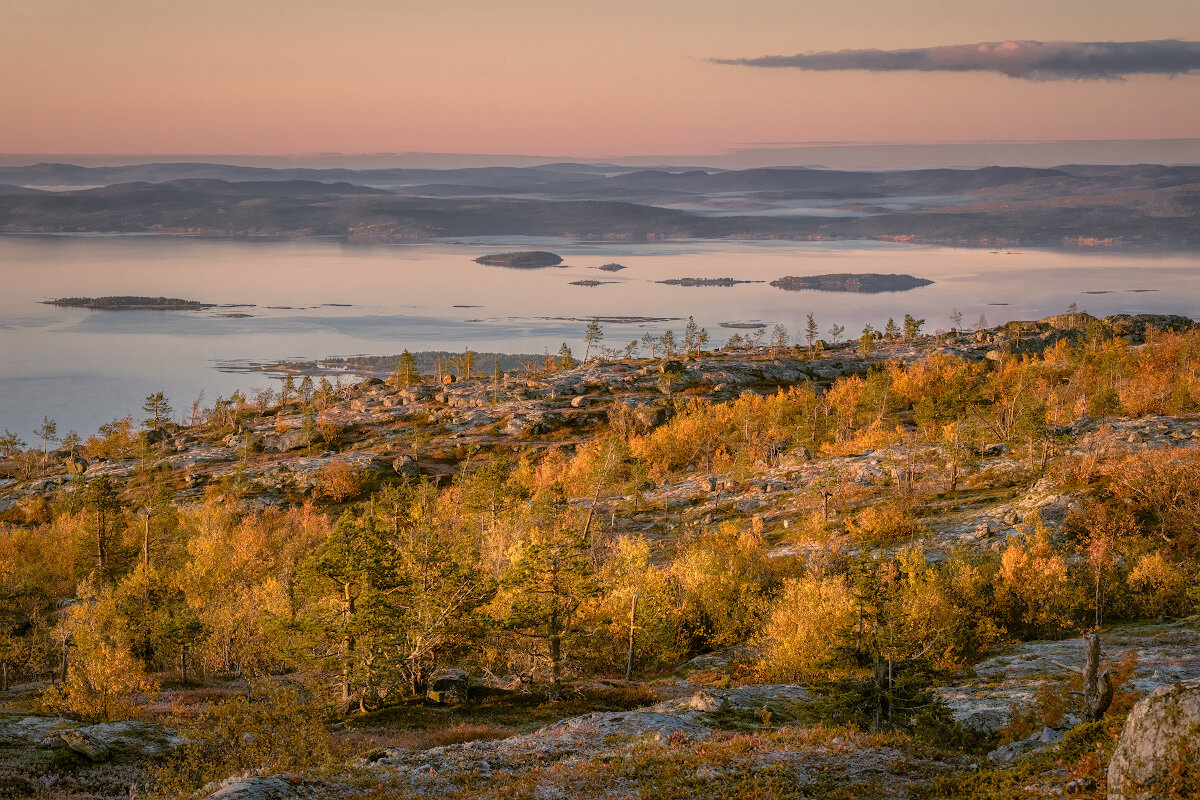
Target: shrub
[(280, 729), (339, 482), (803, 626), (888, 521)]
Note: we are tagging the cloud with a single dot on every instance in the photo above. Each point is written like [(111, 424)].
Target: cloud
[(1034, 61)]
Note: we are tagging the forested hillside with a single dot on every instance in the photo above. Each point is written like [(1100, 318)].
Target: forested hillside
[(323, 582)]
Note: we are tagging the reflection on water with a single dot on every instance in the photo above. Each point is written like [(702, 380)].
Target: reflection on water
[(318, 298)]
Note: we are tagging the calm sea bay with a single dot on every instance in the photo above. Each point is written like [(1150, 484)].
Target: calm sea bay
[(312, 299)]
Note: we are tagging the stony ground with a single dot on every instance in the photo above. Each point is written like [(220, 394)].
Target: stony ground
[(699, 740)]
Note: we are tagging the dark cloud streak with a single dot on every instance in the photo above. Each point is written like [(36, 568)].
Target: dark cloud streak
[(1035, 61)]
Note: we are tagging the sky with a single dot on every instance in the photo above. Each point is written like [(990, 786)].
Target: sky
[(583, 78)]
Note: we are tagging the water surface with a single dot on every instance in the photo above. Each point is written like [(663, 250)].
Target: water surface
[(321, 298)]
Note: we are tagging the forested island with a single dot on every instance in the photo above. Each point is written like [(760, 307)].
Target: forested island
[(130, 302), (704, 282), (864, 283), (525, 259)]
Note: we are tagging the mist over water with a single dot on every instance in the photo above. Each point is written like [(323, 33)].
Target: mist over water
[(313, 299)]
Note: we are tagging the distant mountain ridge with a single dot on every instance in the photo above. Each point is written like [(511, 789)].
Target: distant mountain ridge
[(1144, 204)]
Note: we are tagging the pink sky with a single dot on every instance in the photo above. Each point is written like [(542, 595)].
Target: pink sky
[(568, 77)]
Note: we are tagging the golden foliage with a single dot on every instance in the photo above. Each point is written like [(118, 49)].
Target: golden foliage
[(803, 627), (1032, 588), (339, 482)]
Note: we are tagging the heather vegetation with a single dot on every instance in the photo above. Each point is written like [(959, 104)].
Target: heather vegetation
[(523, 577)]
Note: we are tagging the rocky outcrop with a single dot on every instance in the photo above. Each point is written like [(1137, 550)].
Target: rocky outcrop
[(85, 745), (255, 788), (448, 686), (1159, 746), (282, 442), (1037, 743), (406, 467), (124, 740)]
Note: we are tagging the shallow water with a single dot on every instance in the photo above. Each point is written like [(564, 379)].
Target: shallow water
[(84, 367)]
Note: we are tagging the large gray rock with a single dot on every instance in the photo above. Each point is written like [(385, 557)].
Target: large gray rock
[(1161, 733), (448, 686), (1037, 743), (132, 738), (256, 788), (86, 745), (282, 442), (124, 740), (406, 467)]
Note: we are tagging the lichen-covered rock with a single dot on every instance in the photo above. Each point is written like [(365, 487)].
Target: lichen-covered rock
[(406, 467), (1037, 743), (85, 745), (1161, 734), (255, 788), (448, 686), (282, 442)]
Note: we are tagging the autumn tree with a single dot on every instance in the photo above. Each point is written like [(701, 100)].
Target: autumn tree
[(691, 332), (406, 373), (357, 575), (10, 443), (912, 327), (565, 358), (158, 409), (866, 340), (592, 336), (47, 432), (779, 340), (464, 362), (104, 502), (548, 581), (668, 344)]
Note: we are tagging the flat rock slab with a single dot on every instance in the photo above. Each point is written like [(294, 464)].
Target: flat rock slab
[(259, 788), (1166, 654)]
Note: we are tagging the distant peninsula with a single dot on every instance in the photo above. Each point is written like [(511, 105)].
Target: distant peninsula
[(864, 283), (129, 302), (704, 281), (524, 259)]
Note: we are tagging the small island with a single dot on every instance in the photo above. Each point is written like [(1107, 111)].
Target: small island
[(129, 302), (612, 267), (704, 282), (864, 283), (524, 259), (589, 282)]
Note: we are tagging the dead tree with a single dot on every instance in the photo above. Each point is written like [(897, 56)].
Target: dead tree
[(1097, 685)]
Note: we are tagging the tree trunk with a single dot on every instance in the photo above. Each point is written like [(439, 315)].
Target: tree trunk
[(632, 617), (1097, 688), (554, 633), (100, 544), (347, 642)]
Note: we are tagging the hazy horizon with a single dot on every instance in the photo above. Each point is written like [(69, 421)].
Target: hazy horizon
[(828, 155)]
